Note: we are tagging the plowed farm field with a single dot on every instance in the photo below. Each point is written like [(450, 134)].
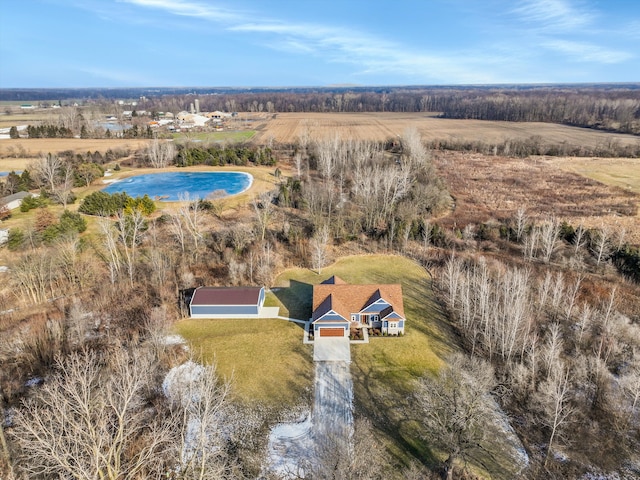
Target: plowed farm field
[(289, 127)]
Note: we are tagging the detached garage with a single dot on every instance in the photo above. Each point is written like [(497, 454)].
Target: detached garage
[(226, 302)]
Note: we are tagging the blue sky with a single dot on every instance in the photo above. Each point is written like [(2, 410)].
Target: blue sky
[(130, 43)]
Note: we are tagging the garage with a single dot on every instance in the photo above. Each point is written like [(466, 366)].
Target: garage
[(332, 332)]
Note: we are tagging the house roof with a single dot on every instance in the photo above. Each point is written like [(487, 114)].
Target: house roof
[(226, 296), (334, 280), (15, 196), (346, 299)]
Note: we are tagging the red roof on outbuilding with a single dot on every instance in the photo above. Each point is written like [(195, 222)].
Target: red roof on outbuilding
[(226, 296)]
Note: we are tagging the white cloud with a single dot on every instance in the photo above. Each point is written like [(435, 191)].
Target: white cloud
[(188, 9), (553, 14), (586, 52), (369, 54)]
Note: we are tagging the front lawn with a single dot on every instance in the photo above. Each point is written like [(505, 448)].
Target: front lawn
[(384, 371)]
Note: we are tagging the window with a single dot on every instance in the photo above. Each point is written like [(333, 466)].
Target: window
[(393, 325), (375, 318)]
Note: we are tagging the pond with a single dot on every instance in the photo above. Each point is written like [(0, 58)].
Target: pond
[(169, 187)]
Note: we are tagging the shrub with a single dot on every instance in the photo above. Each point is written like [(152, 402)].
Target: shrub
[(103, 204), (72, 222), (16, 239), (29, 203)]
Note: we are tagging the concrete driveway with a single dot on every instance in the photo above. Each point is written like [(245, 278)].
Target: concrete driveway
[(331, 349)]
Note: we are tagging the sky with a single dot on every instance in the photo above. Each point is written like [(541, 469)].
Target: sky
[(236, 43)]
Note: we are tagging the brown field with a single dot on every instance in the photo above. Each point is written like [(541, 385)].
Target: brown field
[(35, 146), (288, 127), (487, 187), (28, 117)]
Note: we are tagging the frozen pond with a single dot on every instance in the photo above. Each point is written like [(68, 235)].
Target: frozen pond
[(170, 186)]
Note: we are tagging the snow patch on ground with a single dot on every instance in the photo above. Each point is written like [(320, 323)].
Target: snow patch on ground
[(518, 452), (33, 382), (289, 445), (173, 340), (177, 382)]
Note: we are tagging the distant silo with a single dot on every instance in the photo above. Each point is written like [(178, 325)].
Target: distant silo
[(197, 102)]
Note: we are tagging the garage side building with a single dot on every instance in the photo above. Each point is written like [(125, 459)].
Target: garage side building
[(227, 302)]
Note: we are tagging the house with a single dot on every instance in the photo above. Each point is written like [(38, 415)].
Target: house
[(227, 302), (14, 201), (339, 307)]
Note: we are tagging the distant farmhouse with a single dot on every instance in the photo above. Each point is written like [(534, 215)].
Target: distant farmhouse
[(339, 307)]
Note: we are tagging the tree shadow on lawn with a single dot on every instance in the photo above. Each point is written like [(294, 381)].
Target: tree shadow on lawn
[(391, 413), (426, 314), (297, 299)]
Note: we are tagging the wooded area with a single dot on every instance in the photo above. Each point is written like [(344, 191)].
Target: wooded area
[(544, 310)]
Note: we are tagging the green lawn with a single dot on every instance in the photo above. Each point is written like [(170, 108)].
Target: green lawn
[(265, 359), (224, 136)]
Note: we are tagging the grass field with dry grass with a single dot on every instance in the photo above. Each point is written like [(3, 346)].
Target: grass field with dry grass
[(487, 187), (36, 146), (619, 172), (288, 127)]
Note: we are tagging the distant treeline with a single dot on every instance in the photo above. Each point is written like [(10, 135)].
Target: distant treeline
[(537, 145), (611, 109)]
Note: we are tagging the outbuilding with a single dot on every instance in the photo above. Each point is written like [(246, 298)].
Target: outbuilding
[(14, 201), (227, 302)]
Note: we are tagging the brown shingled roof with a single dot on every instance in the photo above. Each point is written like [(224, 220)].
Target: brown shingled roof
[(347, 299), (226, 296)]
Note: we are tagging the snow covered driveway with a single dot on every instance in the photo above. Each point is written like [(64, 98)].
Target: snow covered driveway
[(333, 407)]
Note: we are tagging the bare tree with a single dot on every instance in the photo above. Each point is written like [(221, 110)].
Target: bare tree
[(46, 170), (130, 227), (520, 223), (531, 243), (549, 238), (34, 275), (160, 154), (631, 387), (189, 223), (455, 406), (202, 418), (84, 424), (110, 241), (361, 456), (554, 397), (62, 190), (263, 208), (601, 244), (579, 239), (319, 244)]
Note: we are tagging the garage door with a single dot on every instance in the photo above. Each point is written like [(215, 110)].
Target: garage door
[(332, 332)]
